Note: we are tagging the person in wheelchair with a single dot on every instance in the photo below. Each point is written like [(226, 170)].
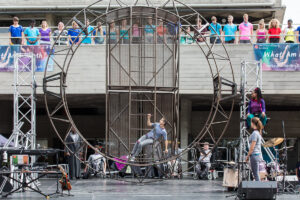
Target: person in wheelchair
[(256, 108), (204, 164), (96, 164)]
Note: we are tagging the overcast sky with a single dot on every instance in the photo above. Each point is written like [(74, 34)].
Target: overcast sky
[(292, 11)]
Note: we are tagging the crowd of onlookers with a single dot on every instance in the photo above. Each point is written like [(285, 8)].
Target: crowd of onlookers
[(242, 33), (229, 33)]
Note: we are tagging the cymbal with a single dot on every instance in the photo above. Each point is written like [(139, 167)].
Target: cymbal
[(229, 163), (282, 149), (273, 142)]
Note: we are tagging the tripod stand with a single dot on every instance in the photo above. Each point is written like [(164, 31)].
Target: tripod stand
[(285, 186)]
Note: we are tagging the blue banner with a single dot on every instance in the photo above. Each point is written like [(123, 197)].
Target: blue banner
[(278, 57), (41, 54)]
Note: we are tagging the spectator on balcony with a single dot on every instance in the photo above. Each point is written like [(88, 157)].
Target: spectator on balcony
[(149, 31), (161, 32), (16, 33), (199, 31), (32, 34), (63, 35), (112, 33), (187, 36), (173, 30), (89, 30), (230, 30), (124, 36), (45, 33), (99, 34), (274, 31), (136, 33), (261, 32), (73, 34), (297, 31), (215, 31), (289, 34), (245, 30)]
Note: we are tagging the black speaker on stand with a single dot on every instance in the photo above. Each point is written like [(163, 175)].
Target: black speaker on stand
[(257, 190)]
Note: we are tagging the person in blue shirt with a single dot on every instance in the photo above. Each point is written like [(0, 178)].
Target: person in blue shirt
[(149, 31), (157, 131), (16, 32), (298, 34), (229, 31), (32, 34), (215, 31), (90, 30), (73, 34)]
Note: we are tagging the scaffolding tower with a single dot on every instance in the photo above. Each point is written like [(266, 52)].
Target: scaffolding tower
[(251, 78), (24, 130)]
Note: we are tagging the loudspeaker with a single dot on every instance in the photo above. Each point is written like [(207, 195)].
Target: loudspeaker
[(257, 190)]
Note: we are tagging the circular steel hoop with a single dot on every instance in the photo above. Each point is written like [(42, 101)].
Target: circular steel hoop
[(60, 98)]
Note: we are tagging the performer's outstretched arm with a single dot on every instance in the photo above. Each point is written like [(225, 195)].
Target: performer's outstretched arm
[(166, 146), (148, 120)]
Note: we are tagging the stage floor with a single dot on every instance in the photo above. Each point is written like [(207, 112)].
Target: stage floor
[(96, 188)]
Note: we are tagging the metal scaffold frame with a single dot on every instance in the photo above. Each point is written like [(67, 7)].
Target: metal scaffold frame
[(251, 78), (223, 81), (24, 130)]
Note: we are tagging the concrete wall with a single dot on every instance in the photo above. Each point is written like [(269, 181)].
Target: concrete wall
[(87, 72), (81, 3)]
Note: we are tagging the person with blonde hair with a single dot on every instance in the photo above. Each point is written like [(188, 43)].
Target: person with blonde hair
[(63, 35), (45, 33), (261, 32), (274, 31), (73, 34), (245, 30), (254, 152)]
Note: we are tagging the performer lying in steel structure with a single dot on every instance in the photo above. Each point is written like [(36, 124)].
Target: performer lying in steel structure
[(158, 130)]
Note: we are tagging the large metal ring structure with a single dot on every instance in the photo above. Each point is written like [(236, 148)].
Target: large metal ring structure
[(223, 81)]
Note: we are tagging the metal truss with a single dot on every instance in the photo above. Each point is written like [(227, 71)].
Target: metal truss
[(24, 131), (251, 78), (141, 91)]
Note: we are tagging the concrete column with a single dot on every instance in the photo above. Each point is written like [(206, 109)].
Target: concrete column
[(50, 20), (185, 125)]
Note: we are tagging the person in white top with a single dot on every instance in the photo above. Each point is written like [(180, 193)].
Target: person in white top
[(204, 162), (96, 163)]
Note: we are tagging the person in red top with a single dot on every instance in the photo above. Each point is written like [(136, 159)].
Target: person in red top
[(274, 31), (161, 31)]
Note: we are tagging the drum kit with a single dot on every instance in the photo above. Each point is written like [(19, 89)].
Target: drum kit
[(268, 171)]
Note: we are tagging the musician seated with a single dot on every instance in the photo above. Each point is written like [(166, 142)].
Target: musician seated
[(204, 164), (96, 163)]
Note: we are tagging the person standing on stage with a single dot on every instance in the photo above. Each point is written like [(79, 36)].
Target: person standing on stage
[(254, 153), (256, 107), (73, 152), (157, 131)]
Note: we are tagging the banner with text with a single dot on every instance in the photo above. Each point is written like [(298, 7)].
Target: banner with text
[(278, 57), (41, 55)]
